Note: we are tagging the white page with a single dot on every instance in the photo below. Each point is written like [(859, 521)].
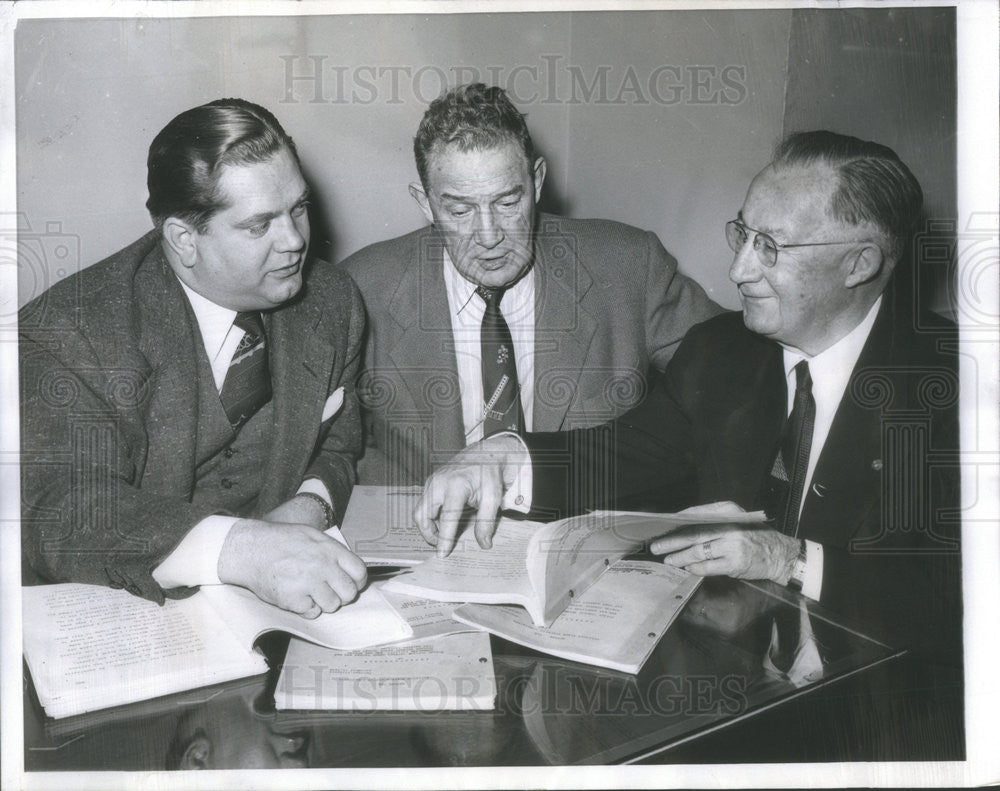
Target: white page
[(378, 525), (451, 672), (426, 617), (616, 623), (91, 647), (472, 570), (368, 620)]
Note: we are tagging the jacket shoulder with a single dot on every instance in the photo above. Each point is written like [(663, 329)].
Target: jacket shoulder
[(374, 266), (593, 230), (100, 290)]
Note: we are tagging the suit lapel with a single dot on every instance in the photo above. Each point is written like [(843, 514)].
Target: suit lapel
[(564, 327), (423, 349), (845, 483), (301, 356), (171, 342), (749, 403)]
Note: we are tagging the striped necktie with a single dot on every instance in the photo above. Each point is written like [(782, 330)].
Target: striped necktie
[(501, 391), (248, 381)]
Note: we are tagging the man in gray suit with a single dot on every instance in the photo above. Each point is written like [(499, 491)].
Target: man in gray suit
[(189, 413), (496, 316)]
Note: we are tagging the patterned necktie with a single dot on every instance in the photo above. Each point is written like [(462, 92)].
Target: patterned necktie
[(796, 443), (248, 381), (501, 392)]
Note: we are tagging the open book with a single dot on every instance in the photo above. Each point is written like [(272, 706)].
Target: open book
[(542, 567), (89, 647), (616, 623)]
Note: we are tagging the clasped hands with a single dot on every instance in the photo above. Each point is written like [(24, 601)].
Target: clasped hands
[(480, 475), (287, 560)]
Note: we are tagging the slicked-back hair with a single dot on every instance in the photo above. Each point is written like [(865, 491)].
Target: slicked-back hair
[(874, 184), (186, 158), (473, 116)]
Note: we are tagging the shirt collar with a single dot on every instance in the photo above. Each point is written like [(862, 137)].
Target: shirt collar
[(834, 364), (214, 321)]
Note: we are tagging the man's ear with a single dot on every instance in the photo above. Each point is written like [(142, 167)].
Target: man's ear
[(181, 238), (866, 265), (198, 754), (417, 191), (539, 173)]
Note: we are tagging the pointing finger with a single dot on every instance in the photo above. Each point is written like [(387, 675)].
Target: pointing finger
[(486, 516), (426, 511), (456, 495)]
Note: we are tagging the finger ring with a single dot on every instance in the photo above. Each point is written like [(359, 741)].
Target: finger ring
[(707, 546)]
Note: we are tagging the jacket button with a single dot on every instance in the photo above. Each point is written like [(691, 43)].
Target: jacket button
[(229, 453), (876, 464), (226, 483)]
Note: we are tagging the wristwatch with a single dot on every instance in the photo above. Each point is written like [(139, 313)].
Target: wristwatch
[(328, 514), (798, 577)]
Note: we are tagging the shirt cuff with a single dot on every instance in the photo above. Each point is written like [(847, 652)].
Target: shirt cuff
[(195, 560), (518, 496), (812, 580), (316, 486)]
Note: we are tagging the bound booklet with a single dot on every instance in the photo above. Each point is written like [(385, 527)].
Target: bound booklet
[(543, 567), (616, 623), (89, 647), (453, 671), (378, 525)]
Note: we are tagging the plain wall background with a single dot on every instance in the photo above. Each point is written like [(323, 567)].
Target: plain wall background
[(675, 158)]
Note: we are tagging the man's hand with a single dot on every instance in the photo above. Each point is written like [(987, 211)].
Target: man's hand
[(740, 551), (477, 476), (293, 566)]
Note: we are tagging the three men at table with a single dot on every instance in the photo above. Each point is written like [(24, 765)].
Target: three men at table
[(821, 403), (568, 315), (189, 412)]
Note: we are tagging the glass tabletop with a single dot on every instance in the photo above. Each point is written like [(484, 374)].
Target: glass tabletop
[(736, 650)]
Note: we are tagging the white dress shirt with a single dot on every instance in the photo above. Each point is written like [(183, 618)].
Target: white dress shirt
[(830, 371), (467, 309), (195, 559)]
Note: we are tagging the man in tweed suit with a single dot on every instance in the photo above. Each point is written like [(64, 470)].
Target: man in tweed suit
[(188, 408), (590, 305)]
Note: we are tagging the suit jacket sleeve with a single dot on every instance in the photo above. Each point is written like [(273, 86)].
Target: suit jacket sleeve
[(84, 516), (643, 459)]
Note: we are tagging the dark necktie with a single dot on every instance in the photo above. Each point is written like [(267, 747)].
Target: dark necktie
[(501, 392), (795, 445), (248, 381)]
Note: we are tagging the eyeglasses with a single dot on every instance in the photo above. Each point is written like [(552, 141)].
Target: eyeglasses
[(764, 245)]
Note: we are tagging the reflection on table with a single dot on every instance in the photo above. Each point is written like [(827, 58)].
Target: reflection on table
[(735, 653)]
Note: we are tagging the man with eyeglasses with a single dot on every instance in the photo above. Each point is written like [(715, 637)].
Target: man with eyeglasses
[(828, 403)]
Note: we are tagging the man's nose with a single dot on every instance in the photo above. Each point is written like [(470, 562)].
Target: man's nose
[(488, 232), (746, 263), (293, 233)]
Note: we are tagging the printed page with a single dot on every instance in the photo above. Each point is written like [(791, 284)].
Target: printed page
[(368, 620), (89, 647), (616, 623), (452, 672), (427, 618), (378, 525), (563, 562), (471, 573)]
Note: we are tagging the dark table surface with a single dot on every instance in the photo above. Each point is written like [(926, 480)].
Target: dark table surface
[(717, 689)]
